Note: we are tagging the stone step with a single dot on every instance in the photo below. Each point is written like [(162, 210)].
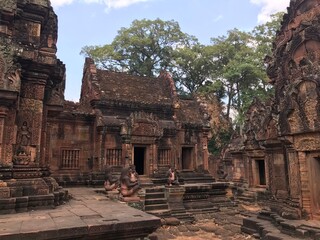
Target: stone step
[(155, 201), (267, 230), (160, 181), (156, 207), (162, 213), (155, 190), (184, 217), (246, 199), (154, 195), (203, 210)]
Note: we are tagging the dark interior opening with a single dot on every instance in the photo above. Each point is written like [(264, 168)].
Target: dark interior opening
[(187, 158), (139, 153), (262, 172)]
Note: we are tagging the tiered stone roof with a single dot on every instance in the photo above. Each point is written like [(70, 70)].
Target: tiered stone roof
[(125, 87)]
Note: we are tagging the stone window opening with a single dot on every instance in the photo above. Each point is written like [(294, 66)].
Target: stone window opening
[(164, 157), (113, 157), (70, 158)]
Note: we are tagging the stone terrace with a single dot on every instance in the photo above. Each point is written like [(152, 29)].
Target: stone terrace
[(87, 215)]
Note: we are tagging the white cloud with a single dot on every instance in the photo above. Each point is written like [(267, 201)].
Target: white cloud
[(110, 4), (218, 18), (269, 7), (115, 3)]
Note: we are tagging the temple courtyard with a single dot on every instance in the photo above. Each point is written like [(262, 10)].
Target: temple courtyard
[(90, 214)]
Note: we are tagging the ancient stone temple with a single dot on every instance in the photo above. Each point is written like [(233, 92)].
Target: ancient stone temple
[(121, 120), (125, 120), (281, 149), (31, 90)]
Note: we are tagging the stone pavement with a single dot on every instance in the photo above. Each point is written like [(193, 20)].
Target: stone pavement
[(88, 215), (222, 225)]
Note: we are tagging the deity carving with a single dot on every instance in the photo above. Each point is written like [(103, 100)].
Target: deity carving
[(25, 134), (23, 150)]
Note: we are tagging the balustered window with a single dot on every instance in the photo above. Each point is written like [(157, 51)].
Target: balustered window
[(70, 158), (113, 157), (164, 157)]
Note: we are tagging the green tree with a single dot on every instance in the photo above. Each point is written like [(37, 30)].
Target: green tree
[(239, 64), (265, 34), (236, 68), (192, 67), (145, 48)]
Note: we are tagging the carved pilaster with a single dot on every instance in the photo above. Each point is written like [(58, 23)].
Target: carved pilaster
[(30, 120), (305, 191), (3, 114), (294, 175)]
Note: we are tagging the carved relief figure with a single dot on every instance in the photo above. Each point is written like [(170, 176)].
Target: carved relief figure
[(25, 134)]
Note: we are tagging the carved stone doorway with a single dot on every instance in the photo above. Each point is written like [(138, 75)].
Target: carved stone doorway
[(186, 158), (314, 178), (139, 154), (260, 172)]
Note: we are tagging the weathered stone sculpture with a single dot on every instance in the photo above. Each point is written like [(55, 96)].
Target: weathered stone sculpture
[(111, 182), (172, 177), (129, 185)]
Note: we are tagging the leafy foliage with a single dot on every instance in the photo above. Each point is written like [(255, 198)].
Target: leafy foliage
[(145, 48), (231, 69)]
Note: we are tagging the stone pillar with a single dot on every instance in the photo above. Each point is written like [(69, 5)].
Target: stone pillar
[(42, 160), (98, 147), (3, 114), (154, 164), (30, 119), (175, 198), (205, 151), (294, 176), (305, 190)]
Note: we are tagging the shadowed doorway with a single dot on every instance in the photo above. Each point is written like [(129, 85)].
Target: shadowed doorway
[(261, 172), (314, 176), (139, 159), (186, 157)]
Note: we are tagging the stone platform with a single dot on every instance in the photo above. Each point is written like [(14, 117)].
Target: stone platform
[(88, 215), (269, 226)]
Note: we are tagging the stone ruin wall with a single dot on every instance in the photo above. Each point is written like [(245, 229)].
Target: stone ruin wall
[(31, 79), (286, 129)]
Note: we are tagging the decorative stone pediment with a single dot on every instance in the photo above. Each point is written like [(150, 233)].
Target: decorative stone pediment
[(307, 143), (145, 124)]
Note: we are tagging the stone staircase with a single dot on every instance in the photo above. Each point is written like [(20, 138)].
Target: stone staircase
[(250, 195), (182, 215), (156, 202), (190, 177), (270, 226), (145, 181)]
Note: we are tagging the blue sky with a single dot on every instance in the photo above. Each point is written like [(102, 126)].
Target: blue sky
[(96, 22)]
